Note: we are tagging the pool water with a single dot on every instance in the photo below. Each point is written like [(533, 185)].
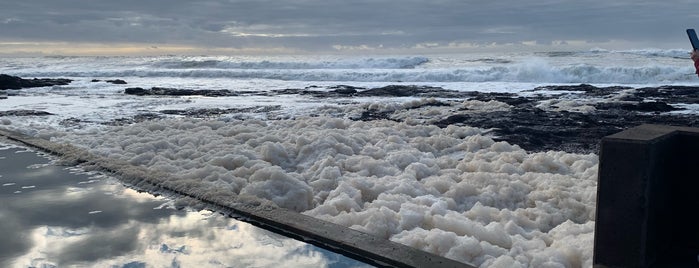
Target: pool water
[(56, 216)]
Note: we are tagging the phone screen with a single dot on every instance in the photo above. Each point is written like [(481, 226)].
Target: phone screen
[(693, 38)]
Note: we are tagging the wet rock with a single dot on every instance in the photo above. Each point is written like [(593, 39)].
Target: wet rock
[(299, 91), (387, 91), (404, 91), (537, 130), (670, 94), (654, 106), (345, 89), (162, 91), (136, 119), (209, 112), (72, 121), (509, 98), (24, 113), (524, 124), (371, 115), (117, 82), (15, 82), (136, 91)]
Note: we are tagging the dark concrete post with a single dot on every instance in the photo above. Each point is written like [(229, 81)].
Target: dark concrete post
[(647, 193)]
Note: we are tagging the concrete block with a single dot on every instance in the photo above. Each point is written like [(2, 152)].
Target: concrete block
[(647, 191)]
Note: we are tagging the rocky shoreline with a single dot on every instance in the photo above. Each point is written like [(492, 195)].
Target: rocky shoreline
[(15, 82), (568, 118), (528, 123)]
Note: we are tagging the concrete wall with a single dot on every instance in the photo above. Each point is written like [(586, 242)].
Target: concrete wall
[(647, 195)]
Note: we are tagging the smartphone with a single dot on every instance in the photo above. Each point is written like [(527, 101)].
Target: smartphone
[(693, 38)]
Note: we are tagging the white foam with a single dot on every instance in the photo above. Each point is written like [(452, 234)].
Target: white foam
[(453, 191), (449, 191)]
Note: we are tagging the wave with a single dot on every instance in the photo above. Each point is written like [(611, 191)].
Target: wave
[(594, 66), (372, 63), (648, 52), (535, 72)]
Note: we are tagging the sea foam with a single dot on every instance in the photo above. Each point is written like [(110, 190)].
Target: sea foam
[(450, 191)]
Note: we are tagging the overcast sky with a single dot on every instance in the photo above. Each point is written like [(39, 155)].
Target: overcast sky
[(328, 26)]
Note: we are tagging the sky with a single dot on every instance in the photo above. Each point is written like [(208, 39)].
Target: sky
[(109, 27)]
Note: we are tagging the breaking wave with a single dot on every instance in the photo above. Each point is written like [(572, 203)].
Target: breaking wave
[(535, 72), (373, 63), (648, 52), (644, 66)]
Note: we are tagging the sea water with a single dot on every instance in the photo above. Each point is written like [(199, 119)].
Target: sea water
[(451, 191), (55, 216)]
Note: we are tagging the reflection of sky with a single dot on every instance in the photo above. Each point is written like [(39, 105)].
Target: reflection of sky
[(70, 219)]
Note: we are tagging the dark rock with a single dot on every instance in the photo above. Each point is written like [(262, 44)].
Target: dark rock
[(10, 82), (538, 130), (208, 112), (24, 113), (509, 98), (534, 129), (162, 91), (15, 82), (371, 115), (95, 80), (70, 122), (387, 91), (136, 91), (136, 119), (291, 91), (402, 91), (345, 89), (429, 104), (117, 82), (453, 120), (655, 106), (670, 94)]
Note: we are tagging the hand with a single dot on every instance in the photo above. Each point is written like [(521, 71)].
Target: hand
[(695, 55)]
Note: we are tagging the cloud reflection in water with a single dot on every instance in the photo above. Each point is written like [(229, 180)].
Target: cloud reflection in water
[(86, 219)]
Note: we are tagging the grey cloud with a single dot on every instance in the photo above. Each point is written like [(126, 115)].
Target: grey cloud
[(318, 24), (93, 247), (14, 238), (50, 203)]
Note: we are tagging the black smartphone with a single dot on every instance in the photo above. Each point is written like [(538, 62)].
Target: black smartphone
[(693, 38)]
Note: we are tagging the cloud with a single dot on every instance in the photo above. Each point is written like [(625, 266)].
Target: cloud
[(93, 247), (315, 24)]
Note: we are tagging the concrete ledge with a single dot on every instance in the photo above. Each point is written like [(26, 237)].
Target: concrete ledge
[(648, 187), (352, 243)]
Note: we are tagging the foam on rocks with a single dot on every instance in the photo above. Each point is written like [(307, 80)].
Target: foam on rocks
[(451, 191)]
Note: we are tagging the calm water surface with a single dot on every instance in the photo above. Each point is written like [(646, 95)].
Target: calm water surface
[(54, 216)]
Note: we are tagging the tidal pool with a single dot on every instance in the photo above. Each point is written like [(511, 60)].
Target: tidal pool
[(56, 216)]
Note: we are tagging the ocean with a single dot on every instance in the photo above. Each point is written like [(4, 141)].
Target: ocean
[(389, 145)]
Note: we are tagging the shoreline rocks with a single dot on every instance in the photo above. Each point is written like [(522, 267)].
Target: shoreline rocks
[(162, 91), (568, 117), (24, 113), (16, 82)]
